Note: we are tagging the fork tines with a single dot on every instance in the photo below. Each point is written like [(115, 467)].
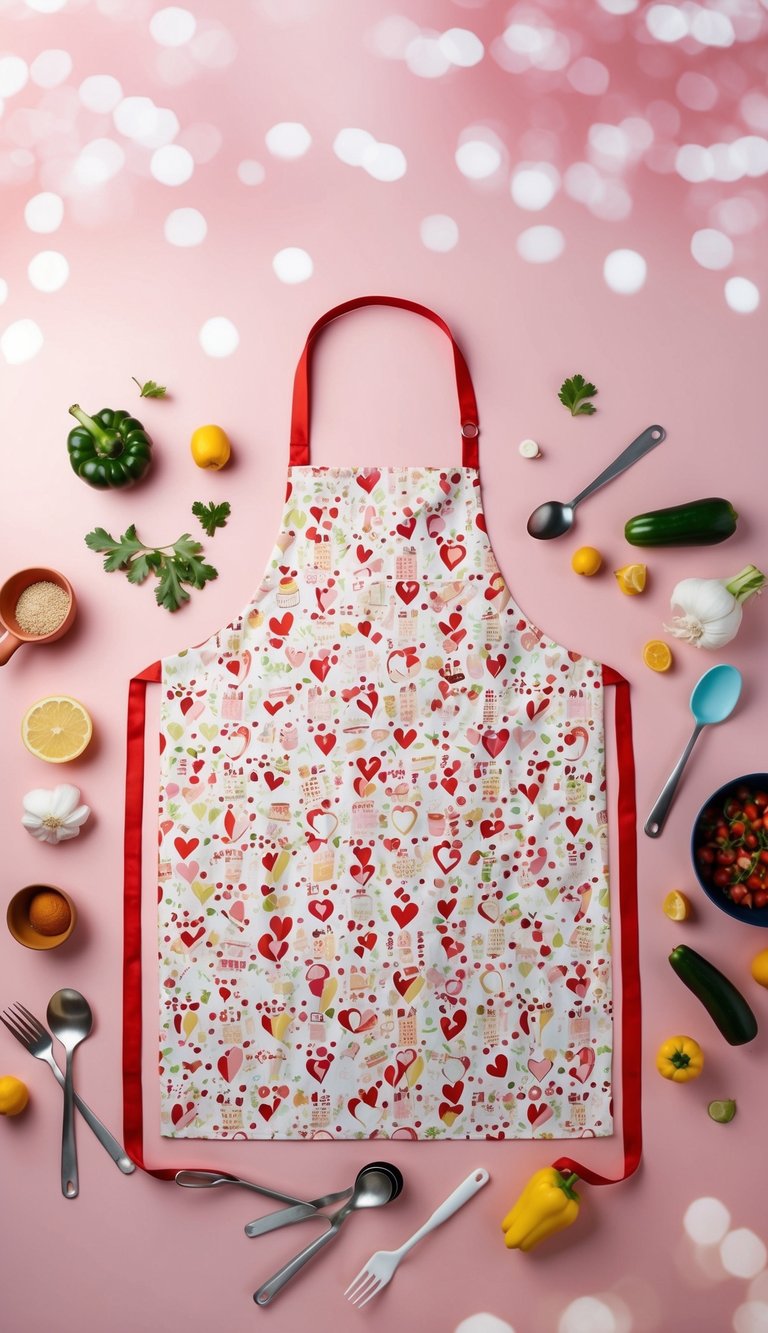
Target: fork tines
[(363, 1287), (24, 1026)]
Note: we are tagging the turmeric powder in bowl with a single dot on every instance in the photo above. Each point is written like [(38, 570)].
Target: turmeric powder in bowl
[(41, 608)]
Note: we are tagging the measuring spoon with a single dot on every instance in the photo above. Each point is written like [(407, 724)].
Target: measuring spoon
[(713, 699), (70, 1019), (555, 517), (375, 1186), (198, 1180)]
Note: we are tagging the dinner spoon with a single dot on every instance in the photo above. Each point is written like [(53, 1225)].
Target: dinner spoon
[(286, 1217), (208, 1179), (555, 517), (375, 1185), (70, 1019), (713, 699)]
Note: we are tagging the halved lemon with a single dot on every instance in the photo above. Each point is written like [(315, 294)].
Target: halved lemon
[(56, 729), (631, 578), (657, 655), (676, 906)]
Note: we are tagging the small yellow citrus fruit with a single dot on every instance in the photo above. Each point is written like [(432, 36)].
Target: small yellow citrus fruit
[(14, 1095), (631, 579), (210, 447), (657, 655), (56, 729), (586, 560), (676, 906), (760, 967)]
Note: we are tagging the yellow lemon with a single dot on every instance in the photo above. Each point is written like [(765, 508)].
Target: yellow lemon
[(631, 579), (14, 1095), (657, 655), (586, 561), (760, 967), (56, 729), (676, 906), (210, 447)]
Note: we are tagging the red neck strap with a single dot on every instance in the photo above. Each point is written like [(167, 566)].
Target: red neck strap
[(300, 416)]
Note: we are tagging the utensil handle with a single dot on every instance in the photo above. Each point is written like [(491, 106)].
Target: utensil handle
[(464, 1192), (8, 646), (269, 1290), (285, 1217), (647, 440), (658, 816), (70, 1186), (116, 1150), (199, 1179)]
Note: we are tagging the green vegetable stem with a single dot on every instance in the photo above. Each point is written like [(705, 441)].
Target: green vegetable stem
[(109, 449)]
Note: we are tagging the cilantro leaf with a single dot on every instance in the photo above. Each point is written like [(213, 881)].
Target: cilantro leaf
[(169, 591), (150, 389), (574, 393), (212, 516), (173, 566), (120, 552)]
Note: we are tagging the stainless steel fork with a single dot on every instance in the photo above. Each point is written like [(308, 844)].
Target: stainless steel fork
[(38, 1041)]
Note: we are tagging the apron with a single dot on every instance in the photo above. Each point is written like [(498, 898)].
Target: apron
[(383, 837)]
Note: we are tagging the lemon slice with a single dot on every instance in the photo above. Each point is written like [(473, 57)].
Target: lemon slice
[(587, 560), (657, 655), (723, 1112), (631, 578), (56, 729), (676, 906)]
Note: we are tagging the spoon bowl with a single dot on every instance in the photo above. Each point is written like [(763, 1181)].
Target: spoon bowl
[(716, 694), (70, 1019), (555, 517), (551, 519)]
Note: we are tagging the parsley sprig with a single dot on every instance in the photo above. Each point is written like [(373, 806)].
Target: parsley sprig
[(149, 389), (176, 568), (574, 393), (212, 516)]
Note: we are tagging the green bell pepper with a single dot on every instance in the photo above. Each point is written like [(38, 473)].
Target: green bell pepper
[(108, 449)]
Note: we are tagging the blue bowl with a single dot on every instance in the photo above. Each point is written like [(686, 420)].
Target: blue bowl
[(752, 916)]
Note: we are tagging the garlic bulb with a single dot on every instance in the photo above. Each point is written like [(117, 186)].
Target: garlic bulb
[(712, 608), (53, 815)]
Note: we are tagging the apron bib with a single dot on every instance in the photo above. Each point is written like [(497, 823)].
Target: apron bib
[(383, 832)]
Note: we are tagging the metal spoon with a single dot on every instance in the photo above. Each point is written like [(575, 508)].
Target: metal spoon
[(555, 517), (207, 1179), (375, 1186), (713, 699), (286, 1217), (70, 1019)]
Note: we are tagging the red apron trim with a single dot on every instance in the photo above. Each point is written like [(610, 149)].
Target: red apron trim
[(631, 1105), (300, 414), (631, 1022)]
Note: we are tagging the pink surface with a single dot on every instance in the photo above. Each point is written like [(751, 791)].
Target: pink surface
[(138, 1254)]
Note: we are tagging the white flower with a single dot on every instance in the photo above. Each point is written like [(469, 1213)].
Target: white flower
[(54, 815)]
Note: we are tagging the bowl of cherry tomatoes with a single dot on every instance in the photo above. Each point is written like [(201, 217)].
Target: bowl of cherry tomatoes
[(729, 848)]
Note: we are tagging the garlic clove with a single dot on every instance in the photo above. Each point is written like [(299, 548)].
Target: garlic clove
[(63, 800), (38, 802), (78, 816)]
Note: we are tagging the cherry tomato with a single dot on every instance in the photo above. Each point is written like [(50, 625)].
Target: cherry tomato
[(761, 799), (726, 856), (738, 828), (754, 882), (738, 893), (760, 898), (750, 841), (722, 877)]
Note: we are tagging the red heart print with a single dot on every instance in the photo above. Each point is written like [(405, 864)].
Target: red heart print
[(536, 709), (229, 1064), (403, 1061), (267, 1109), (531, 790), (369, 767), (403, 915), (445, 906), (318, 1066), (320, 667), (490, 827), (406, 529), (404, 980), (183, 1115), (368, 479), (325, 741), (185, 847), (579, 986), (358, 1020), (404, 738), (365, 942), (186, 703), (188, 939), (274, 780), (586, 1059), (445, 1108), (367, 703), (498, 1067), (495, 741), (362, 874), (452, 554), (454, 1024), (538, 1114), (273, 706), (446, 856), (406, 591), (281, 626), (496, 664), (452, 1091), (452, 947), (449, 784), (364, 554), (321, 908), (539, 1068), (573, 824), (368, 1096)]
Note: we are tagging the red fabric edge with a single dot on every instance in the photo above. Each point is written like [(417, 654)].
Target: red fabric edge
[(631, 1022), (631, 1018)]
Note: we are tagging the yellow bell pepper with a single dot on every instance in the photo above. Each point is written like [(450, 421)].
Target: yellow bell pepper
[(680, 1058), (548, 1204)]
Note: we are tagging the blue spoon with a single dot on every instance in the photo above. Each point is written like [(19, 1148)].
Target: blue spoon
[(713, 699)]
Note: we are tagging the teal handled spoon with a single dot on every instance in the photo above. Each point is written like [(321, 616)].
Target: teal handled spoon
[(713, 699)]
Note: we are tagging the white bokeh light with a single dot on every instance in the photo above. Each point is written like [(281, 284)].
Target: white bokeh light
[(44, 212), (288, 140), (461, 47), (391, 36), (589, 76), (738, 215), (524, 45), (439, 233), (754, 108), (384, 161), (751, 1317), (218, 337), (534, 185), (742, 1253), (48, 271), (706, 1221), (749, 155), (98, 161), (185, 227), (619, 6), (711, 27), (14, 75), (425, 57), (694, 163), (540, 245), (350, 145), (250, 172), (587, 1314), (139, 119), (696, 91), (172, 26), (46, 6), (479, 154), (711, 249), (666, 23), (51, 68), (100, 92), (21, 341), (624, 271), (172, 164), (742, 295), (293, 265), (484, 1323), (3, 291), (213, 45)]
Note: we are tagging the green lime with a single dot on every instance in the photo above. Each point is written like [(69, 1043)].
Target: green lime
[(722, 1112)]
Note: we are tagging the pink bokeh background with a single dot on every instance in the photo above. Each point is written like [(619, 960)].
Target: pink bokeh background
[(685, 154)]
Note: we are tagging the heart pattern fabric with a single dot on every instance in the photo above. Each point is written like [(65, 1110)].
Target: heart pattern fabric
[(383, 879)]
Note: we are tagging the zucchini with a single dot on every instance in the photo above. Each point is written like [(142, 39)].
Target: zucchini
[(722, 1001), (698, 523)]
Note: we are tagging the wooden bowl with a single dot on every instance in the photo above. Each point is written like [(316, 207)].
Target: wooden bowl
[(10, 593), (17, 918)]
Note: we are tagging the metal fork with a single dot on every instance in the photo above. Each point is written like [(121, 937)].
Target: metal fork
[(381, 1266), (38, 1041)]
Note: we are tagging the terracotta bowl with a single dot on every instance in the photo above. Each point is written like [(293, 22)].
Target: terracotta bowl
[(18, 918), (10, 593)]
